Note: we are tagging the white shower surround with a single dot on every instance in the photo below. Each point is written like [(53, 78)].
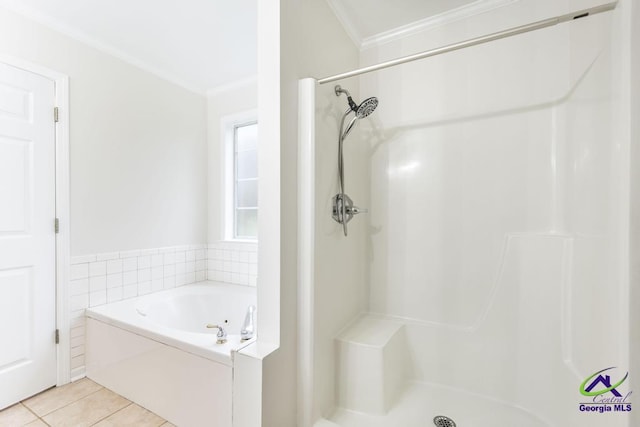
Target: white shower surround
[(545, 160)]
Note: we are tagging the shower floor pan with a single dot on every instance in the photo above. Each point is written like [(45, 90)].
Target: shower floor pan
[(420, 403)]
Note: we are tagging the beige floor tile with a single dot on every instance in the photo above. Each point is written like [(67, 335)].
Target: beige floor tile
[(167, 424), (55, 398), (16, 415), (36, 423), (88, 410), (134, 416)]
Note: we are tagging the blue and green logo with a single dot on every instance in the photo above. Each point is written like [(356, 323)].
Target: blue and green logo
[(605, 380), (604, 393)]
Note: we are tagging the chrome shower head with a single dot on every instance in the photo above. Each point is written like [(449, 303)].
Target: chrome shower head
[(363, 110), (367, 107)]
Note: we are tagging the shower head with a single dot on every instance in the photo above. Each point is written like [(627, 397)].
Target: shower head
[(362, 110), (367, 107)]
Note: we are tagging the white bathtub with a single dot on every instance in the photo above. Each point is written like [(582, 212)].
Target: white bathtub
[(178, 317), (156, 350)]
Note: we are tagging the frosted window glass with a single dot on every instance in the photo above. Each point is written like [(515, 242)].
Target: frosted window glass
[(247, 137), (247, 194), (247, 223), (245, 149), (247, 164)]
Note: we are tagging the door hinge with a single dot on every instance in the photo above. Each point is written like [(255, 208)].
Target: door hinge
[(57, 336), (56, 115), (56, 225)]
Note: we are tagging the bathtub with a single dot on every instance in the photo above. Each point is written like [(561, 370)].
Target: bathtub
[(156, 350)]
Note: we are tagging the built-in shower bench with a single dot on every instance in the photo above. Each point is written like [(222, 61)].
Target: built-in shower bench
[(372, 364)]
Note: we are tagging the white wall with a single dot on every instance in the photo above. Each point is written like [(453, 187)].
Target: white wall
[(221, 103), (310, 42), (138, 145)]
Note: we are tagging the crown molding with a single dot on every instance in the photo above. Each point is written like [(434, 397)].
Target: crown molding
[(475, 8), (92, 42), (238, 84), (463, 12)]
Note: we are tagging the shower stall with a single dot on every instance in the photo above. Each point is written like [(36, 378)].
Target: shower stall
[(487, 285)]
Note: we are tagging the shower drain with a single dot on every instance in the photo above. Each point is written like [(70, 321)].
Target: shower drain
[(442, 421)]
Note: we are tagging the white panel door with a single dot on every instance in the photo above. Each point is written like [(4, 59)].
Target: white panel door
[(27, 236)]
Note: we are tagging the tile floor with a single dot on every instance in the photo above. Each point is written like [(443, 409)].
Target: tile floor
[(80, 404)]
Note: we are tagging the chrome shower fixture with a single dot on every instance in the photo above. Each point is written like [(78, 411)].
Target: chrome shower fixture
[(343, 209), (364, 109), (361, 111), (338, 90), (367, 107)]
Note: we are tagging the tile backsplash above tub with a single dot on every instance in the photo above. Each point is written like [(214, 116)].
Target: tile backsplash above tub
[(233, 262), (102, 278)]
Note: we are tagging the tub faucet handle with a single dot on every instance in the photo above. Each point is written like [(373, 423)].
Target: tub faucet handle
[(221, 335), (249, 325)]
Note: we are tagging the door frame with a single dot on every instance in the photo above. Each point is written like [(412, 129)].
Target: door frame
[(63, 247)]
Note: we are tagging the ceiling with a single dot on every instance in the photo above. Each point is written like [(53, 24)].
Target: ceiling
[(199, 44), (367, 19), (207, 45)]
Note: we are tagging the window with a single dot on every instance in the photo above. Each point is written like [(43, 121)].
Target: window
[(245, 181), (240, 176)]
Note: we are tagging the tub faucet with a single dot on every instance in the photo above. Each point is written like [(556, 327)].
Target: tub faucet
[(221, 335), (249, 325)]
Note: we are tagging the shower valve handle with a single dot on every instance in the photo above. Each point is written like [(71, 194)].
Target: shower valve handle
[(343, 210), (354, 210)]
